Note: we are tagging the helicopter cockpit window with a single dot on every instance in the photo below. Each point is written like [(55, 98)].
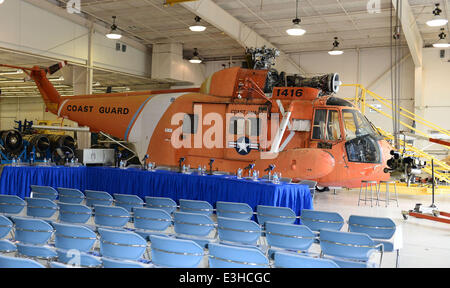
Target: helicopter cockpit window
[(356, 125), (362, 145), (190, 124), (333, 127), (319, 124), (326, 125)]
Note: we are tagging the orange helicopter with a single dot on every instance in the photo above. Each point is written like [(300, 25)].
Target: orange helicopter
[(242, 118)]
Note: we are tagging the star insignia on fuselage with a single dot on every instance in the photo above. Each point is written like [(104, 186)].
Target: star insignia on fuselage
[(242, 145)]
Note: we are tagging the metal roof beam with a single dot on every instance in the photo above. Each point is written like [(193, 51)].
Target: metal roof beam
[(244, 35), (410, 30)]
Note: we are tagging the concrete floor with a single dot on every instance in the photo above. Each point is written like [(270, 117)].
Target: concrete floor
[(426, 244)]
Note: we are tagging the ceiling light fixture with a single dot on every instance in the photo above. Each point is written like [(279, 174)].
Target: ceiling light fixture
[(442, 43), (335, 51), (196, 59), (437, 20), (296, 29), (114, 33), (198, 27)]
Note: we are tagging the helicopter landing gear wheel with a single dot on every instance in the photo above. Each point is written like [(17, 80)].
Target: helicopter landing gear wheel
[(322, 189)]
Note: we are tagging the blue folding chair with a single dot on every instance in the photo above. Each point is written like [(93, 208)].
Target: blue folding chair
[(121, 244), (196, 206), (58, 265), (349, 249), (98, 198), (318, 220), (109, 216), (45, 192), (11, 204), (70, 195), (289, 260), (378, 228), (175, 253), (289, 237), (238, 231), (224, 256), (275, 214), (163, 203), (74, 213), (73, 242), (166, 204), (112, 263), (5, 227), (129, 202), (311, 185), (195, 227), (12, 262), (149, 221), (41, 207), (234, 210), (33, 235)]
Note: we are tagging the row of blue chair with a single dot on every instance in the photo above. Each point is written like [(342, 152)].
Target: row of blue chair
[(46, 207), (122, 248), (197, 228), (245, 233)]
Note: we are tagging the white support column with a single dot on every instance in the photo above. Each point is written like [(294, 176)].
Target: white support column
[(90, 61), (415, 44), (237, 30), (419, 107), (411, 31)]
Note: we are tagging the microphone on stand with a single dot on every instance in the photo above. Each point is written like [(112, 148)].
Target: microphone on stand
[(249, 168), (211, 161), (180, 162), (144, 162), (270, 169)]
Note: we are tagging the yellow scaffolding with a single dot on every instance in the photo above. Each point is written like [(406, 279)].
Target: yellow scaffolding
[(360, 101)]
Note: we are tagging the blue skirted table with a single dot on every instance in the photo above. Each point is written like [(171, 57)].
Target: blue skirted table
[(17, 181)]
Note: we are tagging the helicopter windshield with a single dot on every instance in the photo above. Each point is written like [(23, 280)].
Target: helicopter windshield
[(361, 138), (356, 125)]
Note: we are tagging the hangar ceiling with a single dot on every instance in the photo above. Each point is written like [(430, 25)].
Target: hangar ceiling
[(149, 22)]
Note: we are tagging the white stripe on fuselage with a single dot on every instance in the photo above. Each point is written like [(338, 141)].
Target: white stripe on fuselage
[(61, 106), (142, 131)]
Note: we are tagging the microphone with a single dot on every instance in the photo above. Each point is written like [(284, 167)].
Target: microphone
[(181, 162), (144, 164), (119, 157), (270, 168), (249, 167), (211, 161)]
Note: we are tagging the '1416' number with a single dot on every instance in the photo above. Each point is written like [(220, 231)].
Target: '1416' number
[(289, 92)]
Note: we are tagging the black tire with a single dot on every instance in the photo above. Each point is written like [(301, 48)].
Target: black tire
[(322, 189)]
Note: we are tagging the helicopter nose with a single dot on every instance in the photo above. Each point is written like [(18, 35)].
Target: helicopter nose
[(311, 163)]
